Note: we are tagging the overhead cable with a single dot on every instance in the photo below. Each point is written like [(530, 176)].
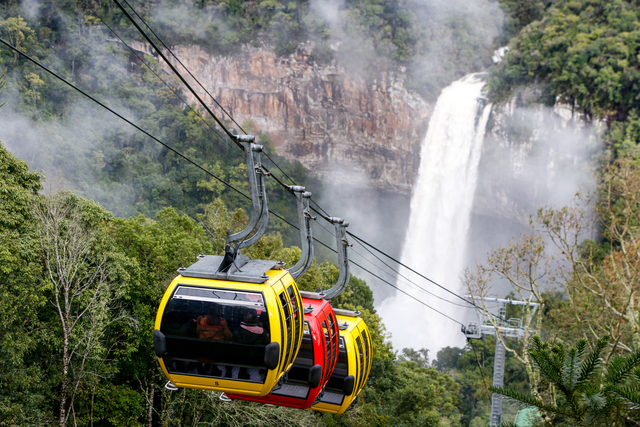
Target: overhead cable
[(407, 294), (202, 168), (407, 280), (181, 64), (128, 15), (162, 80), (203, 88), (167, 146), (363, 242), (321, 211)]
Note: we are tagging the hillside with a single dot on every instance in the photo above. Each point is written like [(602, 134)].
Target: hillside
[(319, 83)]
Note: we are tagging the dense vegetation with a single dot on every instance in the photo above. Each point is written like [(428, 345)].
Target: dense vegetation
[(67, 366), (76, 342), (583, 53), (51, 372), (93, 152)]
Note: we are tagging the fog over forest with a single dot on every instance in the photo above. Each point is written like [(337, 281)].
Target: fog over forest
[(465, 175)]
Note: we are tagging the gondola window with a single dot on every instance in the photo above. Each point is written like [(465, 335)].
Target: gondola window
[(216, 333)]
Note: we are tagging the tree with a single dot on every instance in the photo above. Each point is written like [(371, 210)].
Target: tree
[(2, 82), (18, 31), (84, 286), (419, 357), (525, 266), (601, 280), (581, 395), (35, 83), (22, 396)]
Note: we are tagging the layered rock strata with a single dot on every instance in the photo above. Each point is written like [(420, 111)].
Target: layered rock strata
[(337, 124)]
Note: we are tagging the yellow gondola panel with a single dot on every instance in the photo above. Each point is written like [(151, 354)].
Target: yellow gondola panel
[(352, 369), (229, 335)]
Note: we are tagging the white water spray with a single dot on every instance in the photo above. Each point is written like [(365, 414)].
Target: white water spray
[(440, 216)]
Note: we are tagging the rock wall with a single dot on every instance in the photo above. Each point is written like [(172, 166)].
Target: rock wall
[(337, 124)]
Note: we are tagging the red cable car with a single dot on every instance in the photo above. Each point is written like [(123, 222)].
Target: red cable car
[(314, 364)]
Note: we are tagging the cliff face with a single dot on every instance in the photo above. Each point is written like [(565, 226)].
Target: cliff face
[(336, 124)]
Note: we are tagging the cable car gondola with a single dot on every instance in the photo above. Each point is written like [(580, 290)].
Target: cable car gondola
[(231, 324), (353, 366), (314, 364), (229, 335)]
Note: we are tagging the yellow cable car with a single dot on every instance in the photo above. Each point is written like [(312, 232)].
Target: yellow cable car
[(237, 335), (353, 366)]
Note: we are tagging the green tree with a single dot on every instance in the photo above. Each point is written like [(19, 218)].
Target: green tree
[(85, 282), (18, 30), (419, 357), (22, 396), (579, 393), (581, 53), (2, 82), (35, 83)]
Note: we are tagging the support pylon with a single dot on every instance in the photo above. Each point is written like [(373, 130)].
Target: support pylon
[(498, 381)]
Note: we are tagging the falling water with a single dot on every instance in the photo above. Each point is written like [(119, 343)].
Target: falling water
[(440, 216)]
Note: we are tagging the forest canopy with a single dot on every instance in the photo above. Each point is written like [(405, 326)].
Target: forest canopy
[(89, 360)]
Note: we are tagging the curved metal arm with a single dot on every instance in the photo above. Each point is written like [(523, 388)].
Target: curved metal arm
[(260, 212), (304, 218), (343, 263), (264, 213)]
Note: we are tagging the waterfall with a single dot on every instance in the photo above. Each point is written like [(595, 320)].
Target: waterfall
[(440, 216)]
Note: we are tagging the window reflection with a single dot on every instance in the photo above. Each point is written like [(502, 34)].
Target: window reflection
[(217, 333)]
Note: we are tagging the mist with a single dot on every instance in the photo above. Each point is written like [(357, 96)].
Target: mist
[(378, 216), (533, 156)]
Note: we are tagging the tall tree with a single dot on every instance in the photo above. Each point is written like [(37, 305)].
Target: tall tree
[(2, 82), (21, 396), (524, 265), (18, 30), (601, 280), (84, 289)]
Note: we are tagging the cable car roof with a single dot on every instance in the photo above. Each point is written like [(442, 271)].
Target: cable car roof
[(243, 269)]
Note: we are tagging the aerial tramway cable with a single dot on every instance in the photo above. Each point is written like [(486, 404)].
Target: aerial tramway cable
[(319, 209), (162, 80), (167, 146), (128, 15), (203, 88), (179, 62)]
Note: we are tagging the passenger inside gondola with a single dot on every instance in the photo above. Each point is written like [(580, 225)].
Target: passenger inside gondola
[(216, 334), (213, 327), (251, 330)]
